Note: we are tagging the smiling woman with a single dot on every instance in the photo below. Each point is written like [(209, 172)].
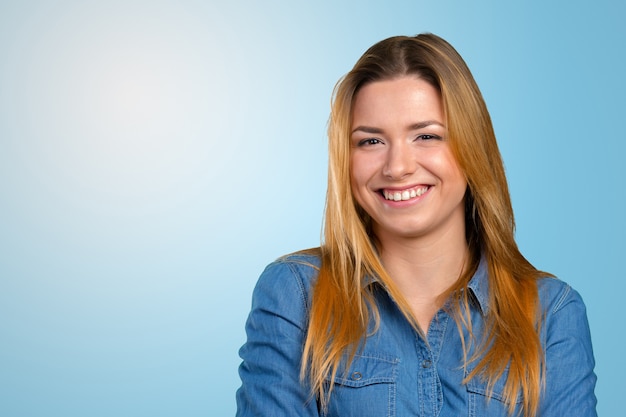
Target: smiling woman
[(418, 302)]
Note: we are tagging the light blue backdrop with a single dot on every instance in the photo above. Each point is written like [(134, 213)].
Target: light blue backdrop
[(155, 155)]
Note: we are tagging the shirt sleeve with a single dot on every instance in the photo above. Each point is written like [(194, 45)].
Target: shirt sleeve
[(275, 329), (570, 378)]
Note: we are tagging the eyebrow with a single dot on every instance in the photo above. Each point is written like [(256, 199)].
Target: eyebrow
[(416, 126)]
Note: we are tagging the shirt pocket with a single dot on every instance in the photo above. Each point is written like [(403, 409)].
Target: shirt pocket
[(485, 402), (366, 388)]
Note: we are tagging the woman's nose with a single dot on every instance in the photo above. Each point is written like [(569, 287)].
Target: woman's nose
[(400, 162)]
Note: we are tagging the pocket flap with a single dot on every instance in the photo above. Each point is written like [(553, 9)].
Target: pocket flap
[(477, 386), (368, 369)]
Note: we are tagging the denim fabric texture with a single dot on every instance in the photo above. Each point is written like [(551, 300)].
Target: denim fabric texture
[(397, 373)]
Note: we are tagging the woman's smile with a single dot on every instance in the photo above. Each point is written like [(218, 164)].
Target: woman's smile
[(405, 194)]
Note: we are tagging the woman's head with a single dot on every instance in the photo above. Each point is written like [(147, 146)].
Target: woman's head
[(403, 172), (468, 131)]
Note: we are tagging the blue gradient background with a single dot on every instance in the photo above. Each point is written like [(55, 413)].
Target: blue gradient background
[(155, 155)]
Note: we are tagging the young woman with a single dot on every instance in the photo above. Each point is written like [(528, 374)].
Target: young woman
[(418, 302)]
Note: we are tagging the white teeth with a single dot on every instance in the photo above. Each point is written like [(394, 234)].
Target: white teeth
[(404, 195)]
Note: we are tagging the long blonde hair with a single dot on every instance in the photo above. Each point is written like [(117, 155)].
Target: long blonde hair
[(342, 306)]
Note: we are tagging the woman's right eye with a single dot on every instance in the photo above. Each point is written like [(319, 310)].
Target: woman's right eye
[(369, 141)]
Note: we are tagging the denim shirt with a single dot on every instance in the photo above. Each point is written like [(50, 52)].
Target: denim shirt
[(397, 372)]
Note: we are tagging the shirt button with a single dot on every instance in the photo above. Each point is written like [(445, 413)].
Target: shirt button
[(356, 376), (426, 363)]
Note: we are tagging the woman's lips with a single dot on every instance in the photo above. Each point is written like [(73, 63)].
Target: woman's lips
[(404, 195)]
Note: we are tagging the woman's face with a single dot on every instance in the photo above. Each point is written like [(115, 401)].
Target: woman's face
[(403, 173)]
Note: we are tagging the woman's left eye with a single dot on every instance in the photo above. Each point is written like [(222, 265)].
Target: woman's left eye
[(427, 136)]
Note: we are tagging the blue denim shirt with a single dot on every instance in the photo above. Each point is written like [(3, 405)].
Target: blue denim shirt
[(397, 373)]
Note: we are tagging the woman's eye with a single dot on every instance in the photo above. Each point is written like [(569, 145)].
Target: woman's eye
[(426, 136), (369, 141)]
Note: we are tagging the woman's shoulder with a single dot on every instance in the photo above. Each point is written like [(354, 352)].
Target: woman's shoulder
[(302, 265), (555, 294), (287, 281)]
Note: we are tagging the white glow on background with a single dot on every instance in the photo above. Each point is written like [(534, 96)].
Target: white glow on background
[(125, 100), (154, 156)]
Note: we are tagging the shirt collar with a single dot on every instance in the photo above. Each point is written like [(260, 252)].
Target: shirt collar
[(479, 285)]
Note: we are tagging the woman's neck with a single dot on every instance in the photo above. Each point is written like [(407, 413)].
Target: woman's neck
[(424, 269)]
